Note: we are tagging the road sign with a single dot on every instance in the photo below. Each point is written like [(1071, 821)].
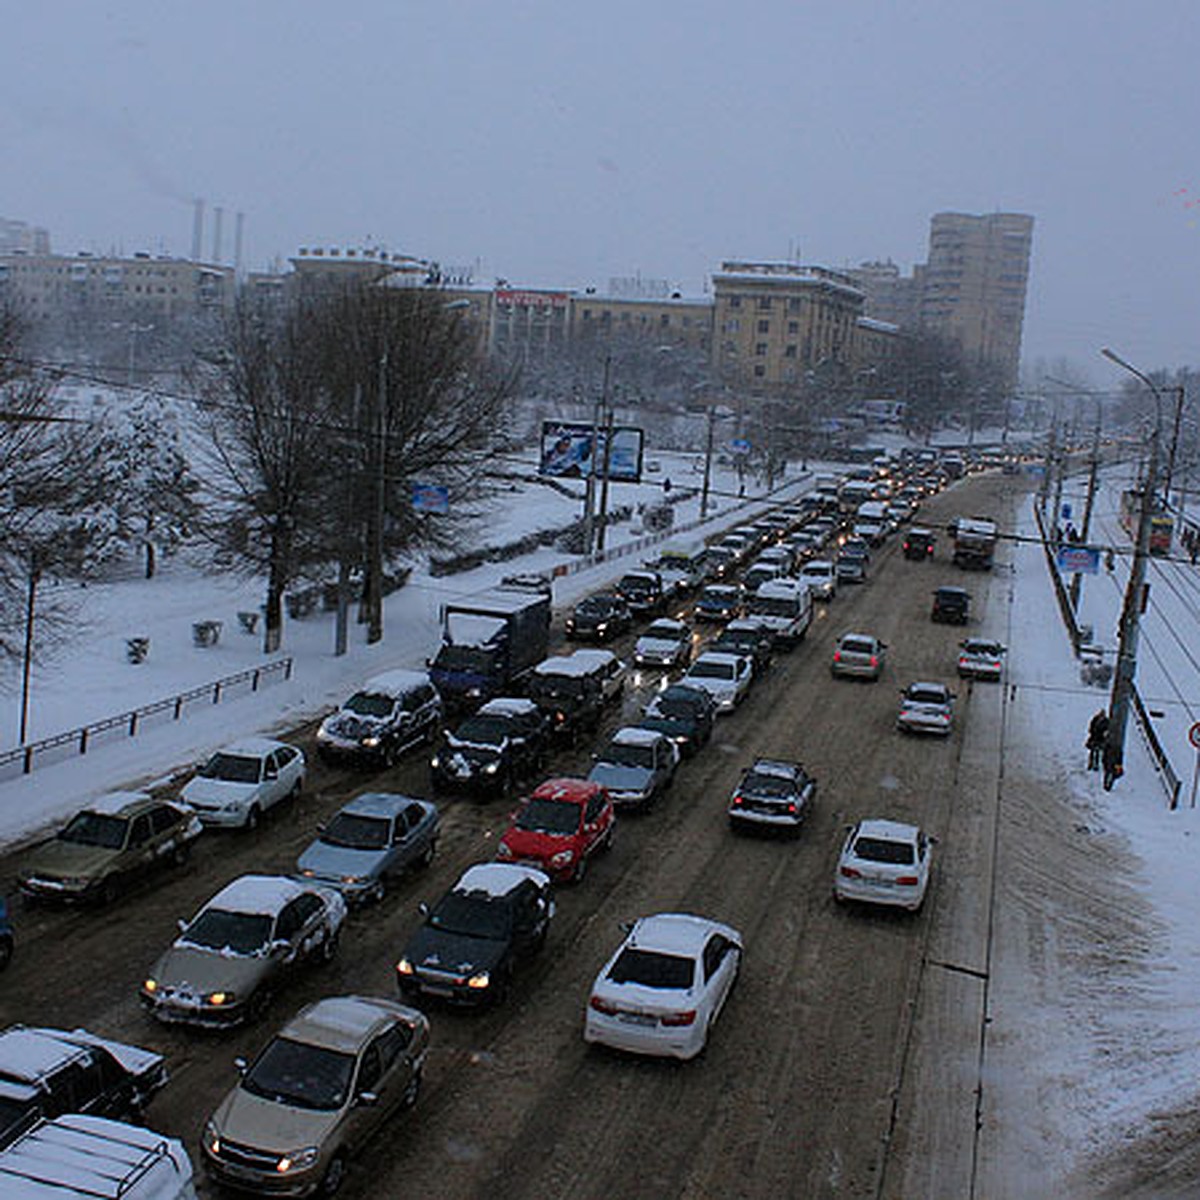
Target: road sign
[(1194, 735), (1078, 560)]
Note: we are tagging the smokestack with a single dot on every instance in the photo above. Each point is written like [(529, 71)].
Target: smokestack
[(239, 229), (218, 213), (197, 228)]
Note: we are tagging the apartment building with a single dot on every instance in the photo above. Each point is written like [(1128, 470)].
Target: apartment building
[(975, 284)]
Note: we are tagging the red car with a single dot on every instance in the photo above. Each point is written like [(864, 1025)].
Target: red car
[(559, 827)]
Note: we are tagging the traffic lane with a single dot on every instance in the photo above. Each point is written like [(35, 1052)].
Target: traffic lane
[(664, 1115)]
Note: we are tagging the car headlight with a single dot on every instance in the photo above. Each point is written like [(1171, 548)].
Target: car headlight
[(602, 628), (436, 761), (219, 999), (404, 967), (474, 693), (298, 1160), (352, 879), (563, 858), (212, 1139), (371, 742), (491, 768), (479, 980), (150, 986), (503, 851)]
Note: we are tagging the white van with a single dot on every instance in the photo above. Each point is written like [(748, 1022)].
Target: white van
[(784, 606), (78, 1156)]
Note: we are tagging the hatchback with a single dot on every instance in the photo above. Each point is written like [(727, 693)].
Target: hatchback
[(820, 576), (858, 654), (663, 989), (719, 602), (635, 767), (926, 708), (562, 824), (884, 862)]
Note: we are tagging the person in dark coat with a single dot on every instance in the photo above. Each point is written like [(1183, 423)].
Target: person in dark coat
[(1113, 767), (1096, 738)]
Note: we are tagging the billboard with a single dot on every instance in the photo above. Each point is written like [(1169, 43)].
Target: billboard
[(430, 498), (1078, 560), (567, 448)]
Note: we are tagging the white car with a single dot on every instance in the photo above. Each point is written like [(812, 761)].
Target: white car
[(821, 577), (725, 677), (979, 658), (666, 643), (926, 708), (240, 782), (664, 988), (884, 862), (861, 655)]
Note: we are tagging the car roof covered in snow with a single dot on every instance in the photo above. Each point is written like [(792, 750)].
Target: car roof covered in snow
[(394, 683), (380, 804), (252, 747), (677, 933), (508, 706), (343, 1022), (263, 894), (114, 804), (498, 879), (887, 831)]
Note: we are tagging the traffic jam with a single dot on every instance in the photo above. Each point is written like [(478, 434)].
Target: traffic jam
[(500, 703)]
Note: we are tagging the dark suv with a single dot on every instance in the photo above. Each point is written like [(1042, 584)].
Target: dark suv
[(951, 605), (642, 591), (494, 916), (49, 1072), (386, 716), (490, 751), (599, 618)]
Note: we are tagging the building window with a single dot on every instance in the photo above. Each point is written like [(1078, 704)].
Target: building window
[(735, 302), (789, 351), (764, 304), (759, 371), (760, 349), (733, 325), (793, 327), (794, 304), (764, 327)]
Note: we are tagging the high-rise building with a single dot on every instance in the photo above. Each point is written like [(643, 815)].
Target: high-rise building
[(19, 237), (974, 285)]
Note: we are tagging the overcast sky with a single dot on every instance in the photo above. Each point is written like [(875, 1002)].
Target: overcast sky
[(558, 144)]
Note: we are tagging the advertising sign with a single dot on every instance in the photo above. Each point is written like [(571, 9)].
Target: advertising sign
[(430, 498), (567, 449), (1078, 560)]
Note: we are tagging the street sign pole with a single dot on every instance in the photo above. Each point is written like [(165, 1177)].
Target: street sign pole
[(1194, 738)]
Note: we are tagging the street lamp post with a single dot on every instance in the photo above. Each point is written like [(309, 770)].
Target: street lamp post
[(1122, 690)]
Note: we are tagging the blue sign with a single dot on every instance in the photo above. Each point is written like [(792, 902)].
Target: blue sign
[(430, 498), (740, 446), (1078, 560), (1066, 512)]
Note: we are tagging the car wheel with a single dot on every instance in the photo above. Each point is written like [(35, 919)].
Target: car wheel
[(110, 891), (335, 1175), (606, 842), (253, 817), (379, 891), (327, 950), (181, 853), (427, 854), (412, 1091), (294, 794)]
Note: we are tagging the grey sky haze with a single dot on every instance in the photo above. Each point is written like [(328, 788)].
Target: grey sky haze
[(559, 145)]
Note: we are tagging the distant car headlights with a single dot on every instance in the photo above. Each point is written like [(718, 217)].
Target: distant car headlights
[(371, 742)]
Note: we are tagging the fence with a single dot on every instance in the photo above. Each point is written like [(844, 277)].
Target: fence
[(1080, 635), (129, 723)]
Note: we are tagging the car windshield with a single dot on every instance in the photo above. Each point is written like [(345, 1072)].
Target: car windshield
[(352, 831), (816, 572), (556, 817), (232, 768), (774, 606), (95, 829), (595, 606), (719, 596), (984, 649), (232, 932), (636, 583), (857, 646), (761, 784), (465, 658), (370, 704), (471, 916), (483, 731), (925, 695), (882, 850), (663, 631), (625, 754), (711, 670), (652, 969), (301, 1076)]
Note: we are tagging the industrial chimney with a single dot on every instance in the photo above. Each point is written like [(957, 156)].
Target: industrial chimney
[(197, 228)]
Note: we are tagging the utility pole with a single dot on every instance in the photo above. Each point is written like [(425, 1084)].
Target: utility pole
[(374, 578), (1048, 469), (708, 451), (1089, 503), (1170, 476), (1122, 691), (608, 436)]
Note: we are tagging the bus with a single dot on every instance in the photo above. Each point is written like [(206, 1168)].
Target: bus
[(1162, 524)]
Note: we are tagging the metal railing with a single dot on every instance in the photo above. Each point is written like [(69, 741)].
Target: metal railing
[(85, 737)]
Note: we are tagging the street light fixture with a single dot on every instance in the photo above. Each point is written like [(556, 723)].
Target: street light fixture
[(1122, 690)]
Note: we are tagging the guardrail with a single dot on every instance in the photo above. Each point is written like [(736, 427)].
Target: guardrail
[(85, 737), (1158, 753)]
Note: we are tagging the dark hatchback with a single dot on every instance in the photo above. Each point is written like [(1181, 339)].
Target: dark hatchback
[(496, 915), (951, 605), (599, 618)]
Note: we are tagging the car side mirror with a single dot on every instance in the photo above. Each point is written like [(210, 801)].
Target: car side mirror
[(423, 909), (241, 1064), (181, 925), (270, 773), (366, 1099), (625, 926)]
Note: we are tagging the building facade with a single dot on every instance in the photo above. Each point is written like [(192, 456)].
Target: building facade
[(975, 283)]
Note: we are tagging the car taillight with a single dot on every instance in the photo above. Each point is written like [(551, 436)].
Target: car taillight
[(928, 549), (603, 1006), (679, 1018), (792, 808), (906, 880), (962, 662), (874, 661), (851, 873), (738, 802), (837, 656)]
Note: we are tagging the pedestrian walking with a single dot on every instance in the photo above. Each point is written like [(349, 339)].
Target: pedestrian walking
[(1113, 768), (1097, 736)]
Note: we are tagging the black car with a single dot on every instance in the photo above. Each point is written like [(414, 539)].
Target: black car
[(685, 714), (503, 742), (951, 605), (45, 1073), (919, 543), (643, 591), (496, 915), (599, 618), (747, 638), (772, 794)]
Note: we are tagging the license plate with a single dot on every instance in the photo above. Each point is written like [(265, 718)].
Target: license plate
[(636, 1018)]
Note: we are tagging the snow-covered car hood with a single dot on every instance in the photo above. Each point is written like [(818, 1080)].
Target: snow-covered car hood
[(351, 726), (219, 792), (619, 778), (341, 862), (657, 647)]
